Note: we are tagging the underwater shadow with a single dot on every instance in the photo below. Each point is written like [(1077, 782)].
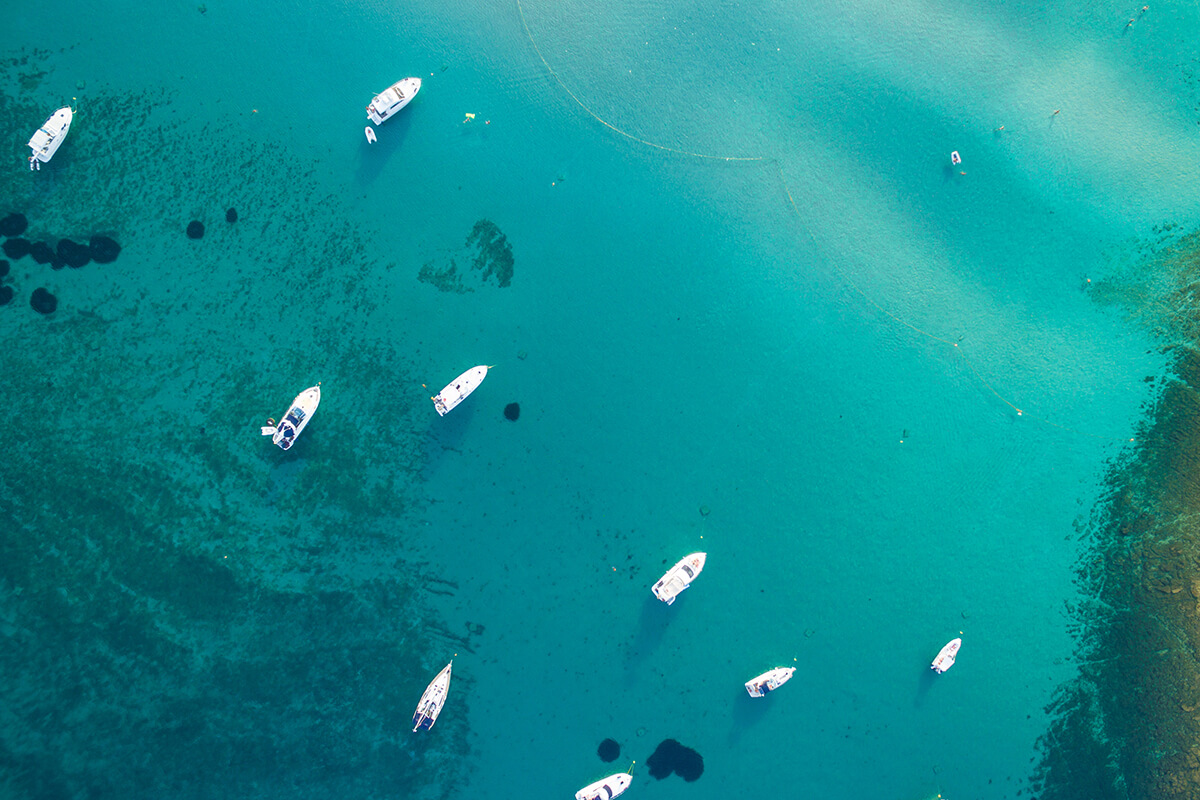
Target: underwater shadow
[(446, 434), (924, 684), (374, 157), (747, 712), (652, 624)]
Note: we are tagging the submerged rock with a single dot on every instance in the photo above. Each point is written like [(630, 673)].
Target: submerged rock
[(73, 254), (41, 253), (231, 215), (6, 295), (512, 411), (16, 248), (103, 249), (608, 750), (670, 756), (13, 225), (3, 268), (195, 229), (43, 302)]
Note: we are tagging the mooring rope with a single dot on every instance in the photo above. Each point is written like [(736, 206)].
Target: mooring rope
[(800, 219)]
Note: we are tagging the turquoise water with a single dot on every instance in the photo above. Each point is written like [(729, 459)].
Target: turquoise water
[(807, 364)]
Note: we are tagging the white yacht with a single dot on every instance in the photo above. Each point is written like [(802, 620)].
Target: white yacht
[(385, 104), (945, 657), (605, 788), (49, 137), (303, 407), (432, 700), (457, 390), (679, 577), (769, 681)]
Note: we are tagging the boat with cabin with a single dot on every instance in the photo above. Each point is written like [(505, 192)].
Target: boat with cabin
[(945, 657), (432, 700), (606, 788), (295, 420), (679, 577), (769, 681), (457, 390), (48, 138), (387, 103)]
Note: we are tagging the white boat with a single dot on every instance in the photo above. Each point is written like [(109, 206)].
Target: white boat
[(457, 390), (679, 577), (605, 788), (294, 421), (370, 135), (769, 681), (955, 158), (385, 104), (945, 657), (432, 700), (49, 137)]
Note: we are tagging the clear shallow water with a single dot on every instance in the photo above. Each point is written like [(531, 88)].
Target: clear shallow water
[(679, 336)]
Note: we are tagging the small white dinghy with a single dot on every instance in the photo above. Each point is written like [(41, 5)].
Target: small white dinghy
[(370, 135), (679, 577), (48, 138), (384, 105), (769, 681), (457, 390), (955, 158), (945, 657), (432, 700), (606, 788), (296, 419)]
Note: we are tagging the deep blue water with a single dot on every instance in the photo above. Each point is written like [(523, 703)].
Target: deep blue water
[(807, 363)]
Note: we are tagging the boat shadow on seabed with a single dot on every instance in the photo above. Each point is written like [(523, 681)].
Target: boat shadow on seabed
[(924, 684), (652, 624), (374, 157)]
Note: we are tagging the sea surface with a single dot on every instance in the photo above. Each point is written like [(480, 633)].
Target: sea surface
[(753, 311)]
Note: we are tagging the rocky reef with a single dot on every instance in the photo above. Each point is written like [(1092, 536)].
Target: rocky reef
[(1129, 726)]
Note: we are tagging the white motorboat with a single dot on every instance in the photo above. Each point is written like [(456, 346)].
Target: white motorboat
[(945, 657), (432, 700), (385, 104), (605, 788), (294, 421), (370, 135), (679, 577), (769, 681), (48, 138), (457, 390)]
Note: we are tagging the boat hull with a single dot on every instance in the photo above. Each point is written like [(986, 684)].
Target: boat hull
[(47, 139), (679, 577), (605, 788), (769, 681), (432, 700), (296, 419), (946, 656), (458, 389), (391, 100)]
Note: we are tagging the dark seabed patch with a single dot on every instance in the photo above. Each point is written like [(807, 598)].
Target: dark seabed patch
[(231, 215), (43, 302), (41, 253), (512, 411), (609, 750), (13, 225), (103, 249), (488, 253), (6, 295), (195, 229), (672, 757), (16, 248)]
